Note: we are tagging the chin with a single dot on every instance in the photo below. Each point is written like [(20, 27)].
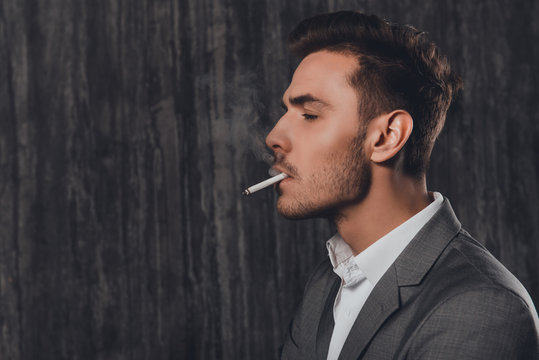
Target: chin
[(292, 210), (296, 210)]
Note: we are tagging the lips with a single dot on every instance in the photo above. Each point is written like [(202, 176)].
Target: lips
[(285, 181), (274, 171), (277, 169)]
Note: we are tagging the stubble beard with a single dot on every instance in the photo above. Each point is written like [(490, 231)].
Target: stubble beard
[(341, 181)]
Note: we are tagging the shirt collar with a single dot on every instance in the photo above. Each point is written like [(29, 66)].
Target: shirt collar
[(374, 261), (342, 259)]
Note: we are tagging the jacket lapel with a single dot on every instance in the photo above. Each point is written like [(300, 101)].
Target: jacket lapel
[(408, 270), (327, 323), (382, 302)]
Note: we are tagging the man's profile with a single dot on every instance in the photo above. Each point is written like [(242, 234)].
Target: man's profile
[(403, 279)]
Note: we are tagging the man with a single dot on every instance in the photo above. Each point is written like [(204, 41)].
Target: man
[(403, 280)]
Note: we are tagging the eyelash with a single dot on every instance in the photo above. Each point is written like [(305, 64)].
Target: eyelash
[(309, 116)]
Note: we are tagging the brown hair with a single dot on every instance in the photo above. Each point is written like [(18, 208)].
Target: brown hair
[(399, 68)]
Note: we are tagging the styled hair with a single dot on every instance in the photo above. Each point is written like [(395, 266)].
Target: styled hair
[(398, 68)]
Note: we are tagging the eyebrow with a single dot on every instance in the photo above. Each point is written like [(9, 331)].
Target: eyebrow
[(304, 99)]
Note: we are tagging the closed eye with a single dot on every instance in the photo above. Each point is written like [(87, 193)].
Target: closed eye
[(310, 117)]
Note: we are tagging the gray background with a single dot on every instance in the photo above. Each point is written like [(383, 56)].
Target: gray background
[(129, 128)]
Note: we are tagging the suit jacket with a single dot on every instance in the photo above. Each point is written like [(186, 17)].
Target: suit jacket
[(444, 297)]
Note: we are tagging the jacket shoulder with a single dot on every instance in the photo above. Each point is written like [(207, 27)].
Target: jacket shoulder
[(475, 267), (473, 306)]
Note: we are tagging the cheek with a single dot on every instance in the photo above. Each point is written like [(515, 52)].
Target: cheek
[(330, 148), (321, 165), (336, 132), (321, 144)]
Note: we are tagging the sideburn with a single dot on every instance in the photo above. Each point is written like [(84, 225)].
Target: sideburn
[(358, 172)]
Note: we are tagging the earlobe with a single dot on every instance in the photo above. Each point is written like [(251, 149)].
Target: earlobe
[(390, 132)]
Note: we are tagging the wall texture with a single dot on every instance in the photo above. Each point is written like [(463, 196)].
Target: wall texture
[(128, 129)]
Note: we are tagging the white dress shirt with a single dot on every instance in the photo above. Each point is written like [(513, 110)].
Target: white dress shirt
[(359, 274)]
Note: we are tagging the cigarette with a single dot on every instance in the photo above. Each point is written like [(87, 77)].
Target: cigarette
[(265, 184)]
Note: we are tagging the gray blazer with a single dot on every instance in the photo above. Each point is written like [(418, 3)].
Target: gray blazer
[(445, 297)]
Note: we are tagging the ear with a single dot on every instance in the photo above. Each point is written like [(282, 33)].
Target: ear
[(389, 132)]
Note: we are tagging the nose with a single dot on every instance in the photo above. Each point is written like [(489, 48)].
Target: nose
[(278, 138)]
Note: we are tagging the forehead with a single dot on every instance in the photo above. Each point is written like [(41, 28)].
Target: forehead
[(323, 74)]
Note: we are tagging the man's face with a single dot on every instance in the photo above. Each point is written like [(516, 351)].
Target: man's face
[(319, 140)]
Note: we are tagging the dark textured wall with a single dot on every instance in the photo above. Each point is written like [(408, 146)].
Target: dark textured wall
[(128, 129)]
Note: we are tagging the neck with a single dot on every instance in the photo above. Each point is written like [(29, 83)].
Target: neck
[(392, 199)]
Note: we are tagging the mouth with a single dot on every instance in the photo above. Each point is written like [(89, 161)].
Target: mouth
[(275, 170), (288, 179), (278, 170)]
